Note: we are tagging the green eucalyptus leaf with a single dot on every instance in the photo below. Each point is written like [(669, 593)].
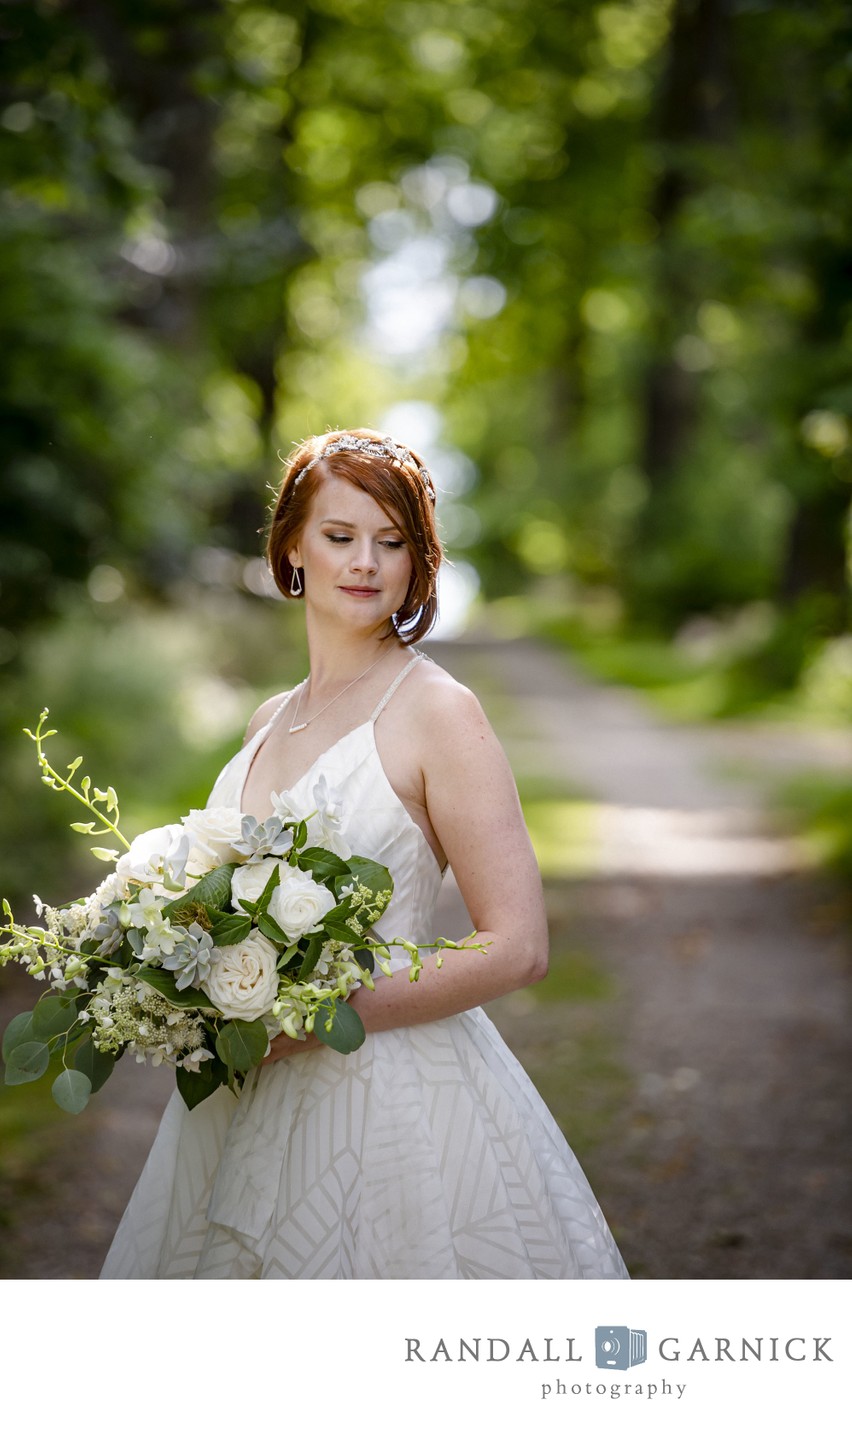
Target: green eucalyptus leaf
[(346, 1031), (96, 1066), (68, 1037), (27, 1062), (20, 1030), (241, 1045), (72, 1090), (53, 1014)]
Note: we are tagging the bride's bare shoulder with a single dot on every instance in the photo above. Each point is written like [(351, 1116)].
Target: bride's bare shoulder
[(440, 708)]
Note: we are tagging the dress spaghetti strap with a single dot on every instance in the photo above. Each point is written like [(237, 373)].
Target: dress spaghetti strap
[(388, 695)]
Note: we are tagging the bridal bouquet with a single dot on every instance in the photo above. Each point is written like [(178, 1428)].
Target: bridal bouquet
[(207, 938)]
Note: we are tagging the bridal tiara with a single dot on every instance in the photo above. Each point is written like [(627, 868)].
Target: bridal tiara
[(386, 448)]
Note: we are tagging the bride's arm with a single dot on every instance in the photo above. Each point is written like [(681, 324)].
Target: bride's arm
[(474, 809)]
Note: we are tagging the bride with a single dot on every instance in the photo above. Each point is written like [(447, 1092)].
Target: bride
[(427, 1153)]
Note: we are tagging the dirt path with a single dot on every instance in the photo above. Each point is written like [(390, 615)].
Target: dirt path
[(725, 1151), (701, 1076)]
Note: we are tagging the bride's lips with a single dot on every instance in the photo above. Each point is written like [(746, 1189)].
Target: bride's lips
[(360, 591)]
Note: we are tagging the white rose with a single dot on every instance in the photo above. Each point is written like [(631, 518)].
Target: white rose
[(150, 851), (243, 982), (250, 880), (212, 835), (298, 904)]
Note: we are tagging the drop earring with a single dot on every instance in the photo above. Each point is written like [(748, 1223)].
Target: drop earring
[(296, 585)]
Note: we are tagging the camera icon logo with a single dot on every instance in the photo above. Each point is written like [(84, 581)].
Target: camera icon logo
[(620, 1347)]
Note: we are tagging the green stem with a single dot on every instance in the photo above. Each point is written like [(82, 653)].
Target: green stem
[(65, 1036), (56, 781), (46, 941)]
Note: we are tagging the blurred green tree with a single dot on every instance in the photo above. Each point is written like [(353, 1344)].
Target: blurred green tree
[(637, 220)]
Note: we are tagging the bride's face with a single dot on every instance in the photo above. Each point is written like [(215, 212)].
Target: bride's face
[(355, 559)]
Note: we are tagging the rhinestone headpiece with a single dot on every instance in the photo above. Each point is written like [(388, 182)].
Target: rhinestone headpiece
[(386, 448)]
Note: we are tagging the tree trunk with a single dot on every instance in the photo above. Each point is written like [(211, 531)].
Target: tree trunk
[(696, 107)]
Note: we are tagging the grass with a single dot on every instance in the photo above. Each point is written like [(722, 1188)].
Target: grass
[(563, 833), (820, 806), (575, 976), (562, 1031), (30, 1124), (34, 1134), (740, 671), (681, 686)]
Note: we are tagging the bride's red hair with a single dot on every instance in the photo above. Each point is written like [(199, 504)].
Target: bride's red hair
[(399, 490)]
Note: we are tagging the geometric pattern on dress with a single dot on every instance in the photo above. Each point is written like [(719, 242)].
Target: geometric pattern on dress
[(427, 1153)]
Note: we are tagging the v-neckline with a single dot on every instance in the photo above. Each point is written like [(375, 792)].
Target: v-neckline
[(263, 733), (370, 724)]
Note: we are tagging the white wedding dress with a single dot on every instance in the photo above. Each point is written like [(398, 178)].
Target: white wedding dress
[(427, 1153)]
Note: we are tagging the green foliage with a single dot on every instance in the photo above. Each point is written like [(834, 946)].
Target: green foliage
[(54, 1014), (195, 1087), (639, 246), (95, 1065), (339, 1027), (821, 807), (19, 1030), (211, 891), (71, 1090), (158, 699), (27, 1062), (321, 864), (574, 976), (374, 876), (165, 984), (241, 1045), (229, 928), (643, 362), (749, 661), (313, 948), (271, 930)]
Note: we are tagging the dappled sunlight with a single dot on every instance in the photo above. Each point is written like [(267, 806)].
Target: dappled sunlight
[(592, 263), (578, 838), (458, 587)]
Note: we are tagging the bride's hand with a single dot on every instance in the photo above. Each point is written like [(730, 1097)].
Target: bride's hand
[(284, 1047)]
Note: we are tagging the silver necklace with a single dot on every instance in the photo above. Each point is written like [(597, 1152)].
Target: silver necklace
[(297, 727)]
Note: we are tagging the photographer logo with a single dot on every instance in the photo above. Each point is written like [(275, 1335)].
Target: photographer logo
[(617, 1348)]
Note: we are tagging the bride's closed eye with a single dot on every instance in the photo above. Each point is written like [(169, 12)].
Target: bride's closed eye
[(347, 539)]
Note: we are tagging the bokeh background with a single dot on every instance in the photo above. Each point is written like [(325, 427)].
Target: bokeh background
[(595, 261)]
